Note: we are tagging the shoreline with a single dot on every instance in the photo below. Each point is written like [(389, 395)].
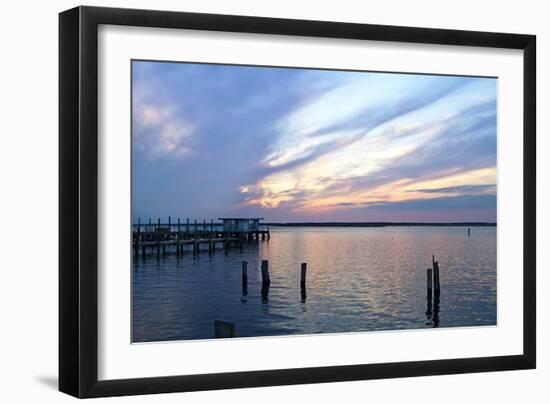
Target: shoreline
[(381, 224)]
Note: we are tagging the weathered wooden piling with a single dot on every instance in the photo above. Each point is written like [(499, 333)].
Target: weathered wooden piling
[(187, 226), (429, 283), (245, 274), (303, 275), (437, 288), (223, 329), (265, 273)]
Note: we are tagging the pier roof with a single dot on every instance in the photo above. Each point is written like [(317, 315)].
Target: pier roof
[(240, 218)]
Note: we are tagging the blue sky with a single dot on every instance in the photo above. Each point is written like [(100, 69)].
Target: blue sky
[(285, 144)]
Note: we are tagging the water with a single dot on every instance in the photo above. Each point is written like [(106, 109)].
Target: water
[(358, 279)]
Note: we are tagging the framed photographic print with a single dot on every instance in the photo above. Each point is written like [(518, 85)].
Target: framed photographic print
[(251, 201)]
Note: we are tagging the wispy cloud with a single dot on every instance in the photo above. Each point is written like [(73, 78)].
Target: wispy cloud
[(160, 132), (460, 189), (159, 126)]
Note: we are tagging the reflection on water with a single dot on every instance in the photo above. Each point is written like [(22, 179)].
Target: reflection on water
[(358, 279)]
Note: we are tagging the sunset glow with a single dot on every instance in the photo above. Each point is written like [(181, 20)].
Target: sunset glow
[(311, 145)]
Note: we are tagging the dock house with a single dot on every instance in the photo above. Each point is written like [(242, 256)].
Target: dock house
[(240, 224)]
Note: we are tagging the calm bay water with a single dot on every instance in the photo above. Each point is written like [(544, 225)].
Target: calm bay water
[(358, 279)]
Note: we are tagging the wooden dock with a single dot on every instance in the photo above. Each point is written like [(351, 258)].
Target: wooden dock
[(178, 237)]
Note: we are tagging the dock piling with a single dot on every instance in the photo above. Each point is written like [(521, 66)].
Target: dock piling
[(223, 329), (437, 288), (265, 273), (245, 275), (429, 284)]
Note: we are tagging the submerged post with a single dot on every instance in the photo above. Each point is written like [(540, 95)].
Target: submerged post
[(223, 329), (303, 294), (265, 273), (303, 275), (436, 278), (429, 282), (244, 275)]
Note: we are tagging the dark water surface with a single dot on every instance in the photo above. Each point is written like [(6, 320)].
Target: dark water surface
[(358, 279)]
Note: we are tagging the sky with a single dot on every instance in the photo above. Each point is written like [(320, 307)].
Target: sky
[(294, 145)]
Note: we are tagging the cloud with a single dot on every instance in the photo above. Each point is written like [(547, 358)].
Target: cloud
[(159, 132), (293, 143), (460, 189), (348, 127), (442, 203)]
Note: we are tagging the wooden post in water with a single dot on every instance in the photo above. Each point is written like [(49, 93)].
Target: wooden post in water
[(429, 283), (149, 228), (265, 273), (266, 281), (303, 294), (245, 274), (223, 329), (436, 277), (429, 312), (204, 226), (195, 225), (303, 275), (187, 226)]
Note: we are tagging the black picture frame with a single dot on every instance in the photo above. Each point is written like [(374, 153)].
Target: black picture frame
[(78, 200)]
